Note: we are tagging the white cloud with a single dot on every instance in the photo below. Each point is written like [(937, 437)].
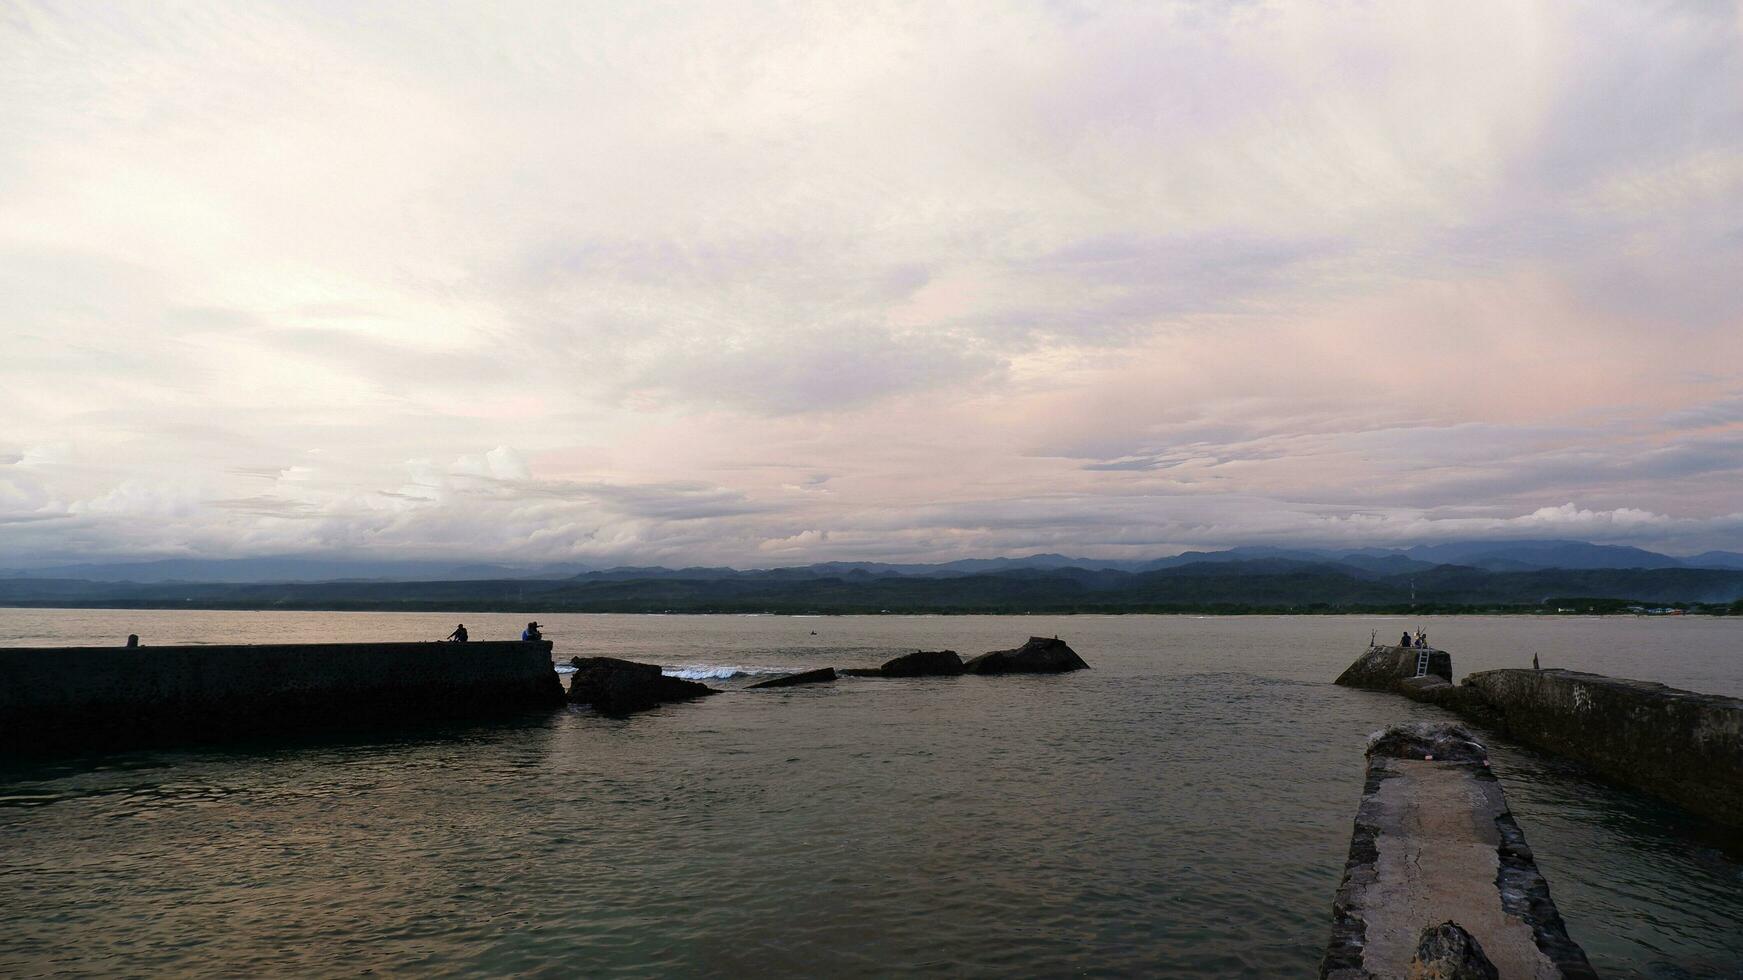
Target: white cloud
[(1105, 278)]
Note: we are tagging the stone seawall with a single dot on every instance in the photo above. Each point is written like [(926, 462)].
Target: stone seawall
[(57, 698), (1683, 746)]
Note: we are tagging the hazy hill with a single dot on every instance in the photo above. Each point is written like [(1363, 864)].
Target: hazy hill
[(1268, 584)]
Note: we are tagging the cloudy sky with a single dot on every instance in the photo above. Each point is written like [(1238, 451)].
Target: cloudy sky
[(770, 283)]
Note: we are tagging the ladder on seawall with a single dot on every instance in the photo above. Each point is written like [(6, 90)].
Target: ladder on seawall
[(1422, 662)]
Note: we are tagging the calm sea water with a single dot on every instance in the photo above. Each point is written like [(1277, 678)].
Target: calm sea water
[(1184, 809)]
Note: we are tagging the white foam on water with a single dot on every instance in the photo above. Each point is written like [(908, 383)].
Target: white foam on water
[(713, 672)]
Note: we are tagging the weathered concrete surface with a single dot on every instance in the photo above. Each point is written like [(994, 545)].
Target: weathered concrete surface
[(1434, 843), (1040, 655), (1683, 746), (620, 687), (821, 675), (58, 698), (1383, 667), (1433, 689)]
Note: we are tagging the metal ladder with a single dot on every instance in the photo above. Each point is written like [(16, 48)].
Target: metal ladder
[(1422, 662)]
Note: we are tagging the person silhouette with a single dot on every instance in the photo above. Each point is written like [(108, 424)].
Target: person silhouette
[(531, 632), (459, 634)]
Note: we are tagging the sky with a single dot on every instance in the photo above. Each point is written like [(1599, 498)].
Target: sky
[(764, 284)]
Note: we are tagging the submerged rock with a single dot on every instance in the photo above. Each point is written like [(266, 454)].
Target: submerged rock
[(821, 675), (618, 687), (1448, 952), (1040, 655), (923, 663)]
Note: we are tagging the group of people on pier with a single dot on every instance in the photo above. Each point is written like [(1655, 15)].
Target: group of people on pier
[(530, 633)]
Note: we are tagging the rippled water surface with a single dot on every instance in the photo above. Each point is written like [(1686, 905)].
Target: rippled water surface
[(1183, 809)]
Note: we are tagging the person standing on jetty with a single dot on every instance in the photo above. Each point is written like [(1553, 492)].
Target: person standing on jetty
[(531, 632), (459, 634)]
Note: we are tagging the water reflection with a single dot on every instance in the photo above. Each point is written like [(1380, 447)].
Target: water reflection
[(1183, 809)]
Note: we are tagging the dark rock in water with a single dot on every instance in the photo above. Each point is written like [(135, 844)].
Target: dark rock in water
[(618, 687), (821, 675), (1421, 740), (1448, 952), (1381, 668), (924, 663), (860, 671), (1040, 655)]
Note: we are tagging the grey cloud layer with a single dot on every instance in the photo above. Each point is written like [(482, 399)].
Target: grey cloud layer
[(1106, 279)]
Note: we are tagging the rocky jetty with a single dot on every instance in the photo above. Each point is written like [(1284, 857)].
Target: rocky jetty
[(621, 687), (1040, 655), (822, 675), (1440, 881), (1680, 745)]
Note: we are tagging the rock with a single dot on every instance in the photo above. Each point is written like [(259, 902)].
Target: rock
[(1421, 740), (1448, 952), (1038, 656), (821, 675), (618, 687), (860, 671), (1382, 668), (923, 663)]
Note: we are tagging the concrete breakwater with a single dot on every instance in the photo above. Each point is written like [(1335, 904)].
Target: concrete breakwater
[(1680, 745), (58, 698), (1439, 880)]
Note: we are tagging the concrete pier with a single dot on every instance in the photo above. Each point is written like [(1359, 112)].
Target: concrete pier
[(1680, 745), (61, 698), (1435, 843)]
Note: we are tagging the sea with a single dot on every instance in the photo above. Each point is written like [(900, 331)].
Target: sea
[(1181, 810)]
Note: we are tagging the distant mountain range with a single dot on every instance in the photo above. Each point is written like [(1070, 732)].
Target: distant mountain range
[(1446, 577), (1509, 556)]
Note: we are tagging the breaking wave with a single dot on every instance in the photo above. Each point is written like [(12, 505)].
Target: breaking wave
[(708, 672), (711, 672)]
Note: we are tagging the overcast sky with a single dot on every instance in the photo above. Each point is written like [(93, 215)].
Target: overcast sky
[(766, 283)]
